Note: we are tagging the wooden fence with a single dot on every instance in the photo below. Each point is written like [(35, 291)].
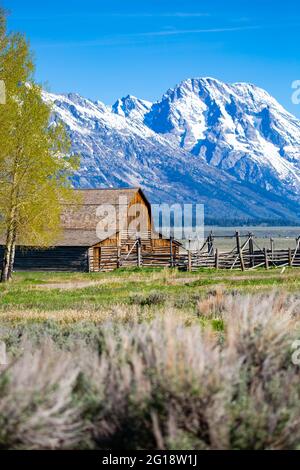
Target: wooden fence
[(246, 254)]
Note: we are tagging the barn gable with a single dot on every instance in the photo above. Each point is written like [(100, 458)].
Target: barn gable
[(80, 220)]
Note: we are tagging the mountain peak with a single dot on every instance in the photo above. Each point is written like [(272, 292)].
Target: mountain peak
[(131, 106), (237, 127), (208, 85)]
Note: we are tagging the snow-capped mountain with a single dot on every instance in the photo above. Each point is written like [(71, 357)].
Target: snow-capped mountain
[(239, 128), (231, 147)]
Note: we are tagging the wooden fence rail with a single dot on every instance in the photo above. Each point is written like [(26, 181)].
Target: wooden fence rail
[(221, 260), (245, 255)]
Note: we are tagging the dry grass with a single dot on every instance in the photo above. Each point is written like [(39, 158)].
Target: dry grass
[(164, 383), (116, 313), (36, 409), (213, 305)]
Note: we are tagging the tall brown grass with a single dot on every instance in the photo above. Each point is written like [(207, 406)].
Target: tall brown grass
[(162, 384)]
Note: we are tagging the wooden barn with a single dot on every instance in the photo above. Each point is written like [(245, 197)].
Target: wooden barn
[(81, 248)]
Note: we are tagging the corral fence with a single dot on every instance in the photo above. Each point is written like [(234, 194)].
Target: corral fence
[(246, 254)]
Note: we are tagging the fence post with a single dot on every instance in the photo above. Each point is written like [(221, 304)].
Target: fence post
[(272, 247), (139, 254), (210, 244), (290, 258), (171, 253), (119, 249), (189, 260), (266, 258), (251, 250), (118, 256), (239, 250), (217, 258)]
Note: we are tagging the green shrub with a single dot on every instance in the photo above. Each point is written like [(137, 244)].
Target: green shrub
[(153, 298)]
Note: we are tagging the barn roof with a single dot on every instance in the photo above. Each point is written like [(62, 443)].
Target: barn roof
[(79, 218), (78, 237), (106, 196)]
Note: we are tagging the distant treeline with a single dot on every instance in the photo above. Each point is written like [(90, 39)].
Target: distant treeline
[(226, 222)]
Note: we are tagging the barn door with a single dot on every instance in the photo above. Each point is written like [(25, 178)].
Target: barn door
[(97, 259)]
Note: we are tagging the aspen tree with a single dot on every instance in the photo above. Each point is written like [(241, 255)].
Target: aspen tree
[(35, 168)]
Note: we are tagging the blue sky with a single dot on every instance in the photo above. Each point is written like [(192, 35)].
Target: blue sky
[(104, 49)]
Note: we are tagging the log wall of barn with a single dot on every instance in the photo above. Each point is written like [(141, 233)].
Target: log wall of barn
[(64, 258), (114, 253)]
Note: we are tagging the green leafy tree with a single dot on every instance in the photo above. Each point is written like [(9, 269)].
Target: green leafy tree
[(34, 169)]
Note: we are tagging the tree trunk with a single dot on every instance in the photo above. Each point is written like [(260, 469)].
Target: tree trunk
[(6, 262), (12, 259), (9, 252), (9, 256)]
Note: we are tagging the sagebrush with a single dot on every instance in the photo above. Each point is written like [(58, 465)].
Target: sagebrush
[(158, 382)]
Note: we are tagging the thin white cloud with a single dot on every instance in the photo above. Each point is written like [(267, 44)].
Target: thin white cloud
[(199, 31), (130, 38), (165, 15)]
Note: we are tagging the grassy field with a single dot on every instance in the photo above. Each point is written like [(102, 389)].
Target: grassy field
[(54, 292), (151, 359)]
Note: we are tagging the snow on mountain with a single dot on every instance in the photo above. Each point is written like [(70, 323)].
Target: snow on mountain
[(231, 147), (239, 128), (132, 107)]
